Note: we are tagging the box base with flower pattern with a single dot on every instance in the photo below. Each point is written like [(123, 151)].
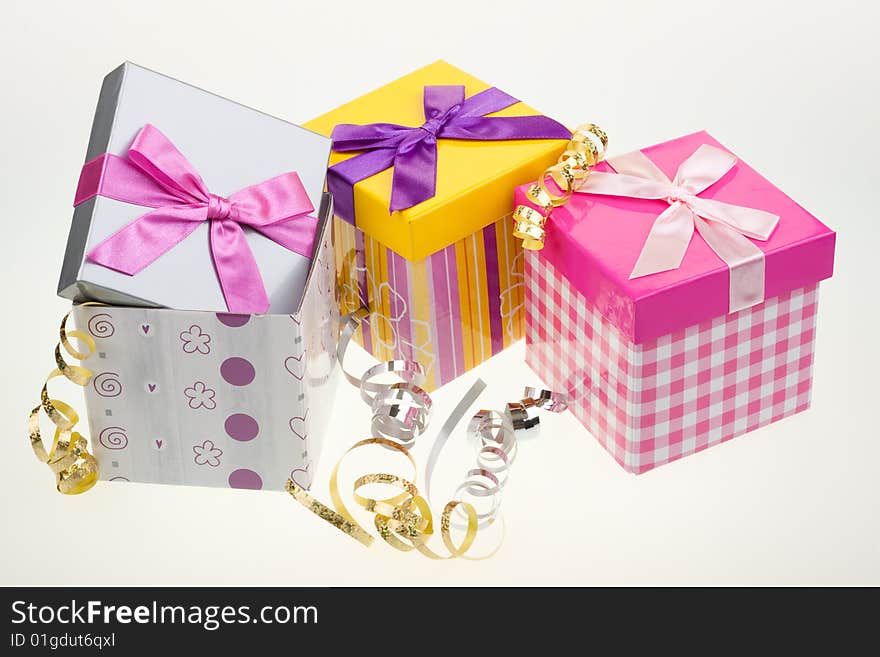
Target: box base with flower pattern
[(213, 399)]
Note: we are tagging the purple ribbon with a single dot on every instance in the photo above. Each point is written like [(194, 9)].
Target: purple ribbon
[(412, 151), (155, 174)]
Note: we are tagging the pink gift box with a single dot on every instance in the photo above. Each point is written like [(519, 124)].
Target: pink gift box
[(657, 367)]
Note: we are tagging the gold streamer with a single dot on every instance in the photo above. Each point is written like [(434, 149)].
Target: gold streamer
[(401, 413), (585, 150), (76, 470)]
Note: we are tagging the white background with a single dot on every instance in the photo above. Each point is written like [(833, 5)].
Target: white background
[(791, 87)]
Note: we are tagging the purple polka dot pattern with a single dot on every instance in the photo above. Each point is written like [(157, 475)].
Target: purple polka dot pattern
[(244, 478), (233, 320), (237, 371), (241, 427)]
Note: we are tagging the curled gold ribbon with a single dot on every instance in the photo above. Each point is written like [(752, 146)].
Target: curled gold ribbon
[(585, 150), (76, 470), (401, 412)]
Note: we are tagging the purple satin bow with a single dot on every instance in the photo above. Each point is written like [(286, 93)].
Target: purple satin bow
[(412, 151), (156, 175)]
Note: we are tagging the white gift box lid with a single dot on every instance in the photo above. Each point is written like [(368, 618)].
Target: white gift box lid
[(231, 146)]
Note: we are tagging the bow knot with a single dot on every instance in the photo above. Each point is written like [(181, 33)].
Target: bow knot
[(218, 207), (438, 119), (157, 175), (412, 151), (678, 194), (725, 227)]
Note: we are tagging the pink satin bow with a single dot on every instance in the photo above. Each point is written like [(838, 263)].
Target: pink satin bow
[(725, 227), (156, 175)]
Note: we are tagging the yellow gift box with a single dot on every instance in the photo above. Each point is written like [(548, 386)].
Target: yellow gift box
[(443, 279)]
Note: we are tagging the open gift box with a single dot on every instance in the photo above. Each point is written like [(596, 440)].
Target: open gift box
[(217, 321)]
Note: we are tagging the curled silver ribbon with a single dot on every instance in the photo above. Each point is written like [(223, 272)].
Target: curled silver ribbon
[(555, 402), (401, 413)]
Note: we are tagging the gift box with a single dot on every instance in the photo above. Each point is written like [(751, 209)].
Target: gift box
[(228, 205), (421, 175), (675, 301), (191, 201)]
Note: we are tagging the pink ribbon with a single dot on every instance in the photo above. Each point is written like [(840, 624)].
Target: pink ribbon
[(725, 227), (156, 175)]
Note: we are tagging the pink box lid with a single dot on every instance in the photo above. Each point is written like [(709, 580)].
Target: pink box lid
[(595, 240)]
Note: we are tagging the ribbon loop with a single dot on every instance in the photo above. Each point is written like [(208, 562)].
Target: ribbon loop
[(155, 174), (154, 154), (441, 103), (706, 166)]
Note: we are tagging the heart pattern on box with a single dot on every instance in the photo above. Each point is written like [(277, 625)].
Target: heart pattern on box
[(296, 366), (298, 426), (301, 477)]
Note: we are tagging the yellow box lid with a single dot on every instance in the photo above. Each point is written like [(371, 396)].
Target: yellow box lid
[(475, 179)]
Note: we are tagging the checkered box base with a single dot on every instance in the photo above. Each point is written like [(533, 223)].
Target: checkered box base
[(652, 403)]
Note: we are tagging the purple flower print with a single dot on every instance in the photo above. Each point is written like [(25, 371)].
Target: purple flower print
[(200, 396), (195, 340), (207, 454)]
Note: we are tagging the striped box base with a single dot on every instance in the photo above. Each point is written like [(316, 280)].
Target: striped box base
[(450, 311), (652, 403)]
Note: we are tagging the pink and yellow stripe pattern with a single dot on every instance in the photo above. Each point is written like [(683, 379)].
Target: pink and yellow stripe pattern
[(449, 311)]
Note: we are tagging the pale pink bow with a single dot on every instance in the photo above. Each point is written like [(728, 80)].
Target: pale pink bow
[(725, 227)]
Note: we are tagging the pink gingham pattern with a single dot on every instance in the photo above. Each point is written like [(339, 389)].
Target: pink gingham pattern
[(652, 403)]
